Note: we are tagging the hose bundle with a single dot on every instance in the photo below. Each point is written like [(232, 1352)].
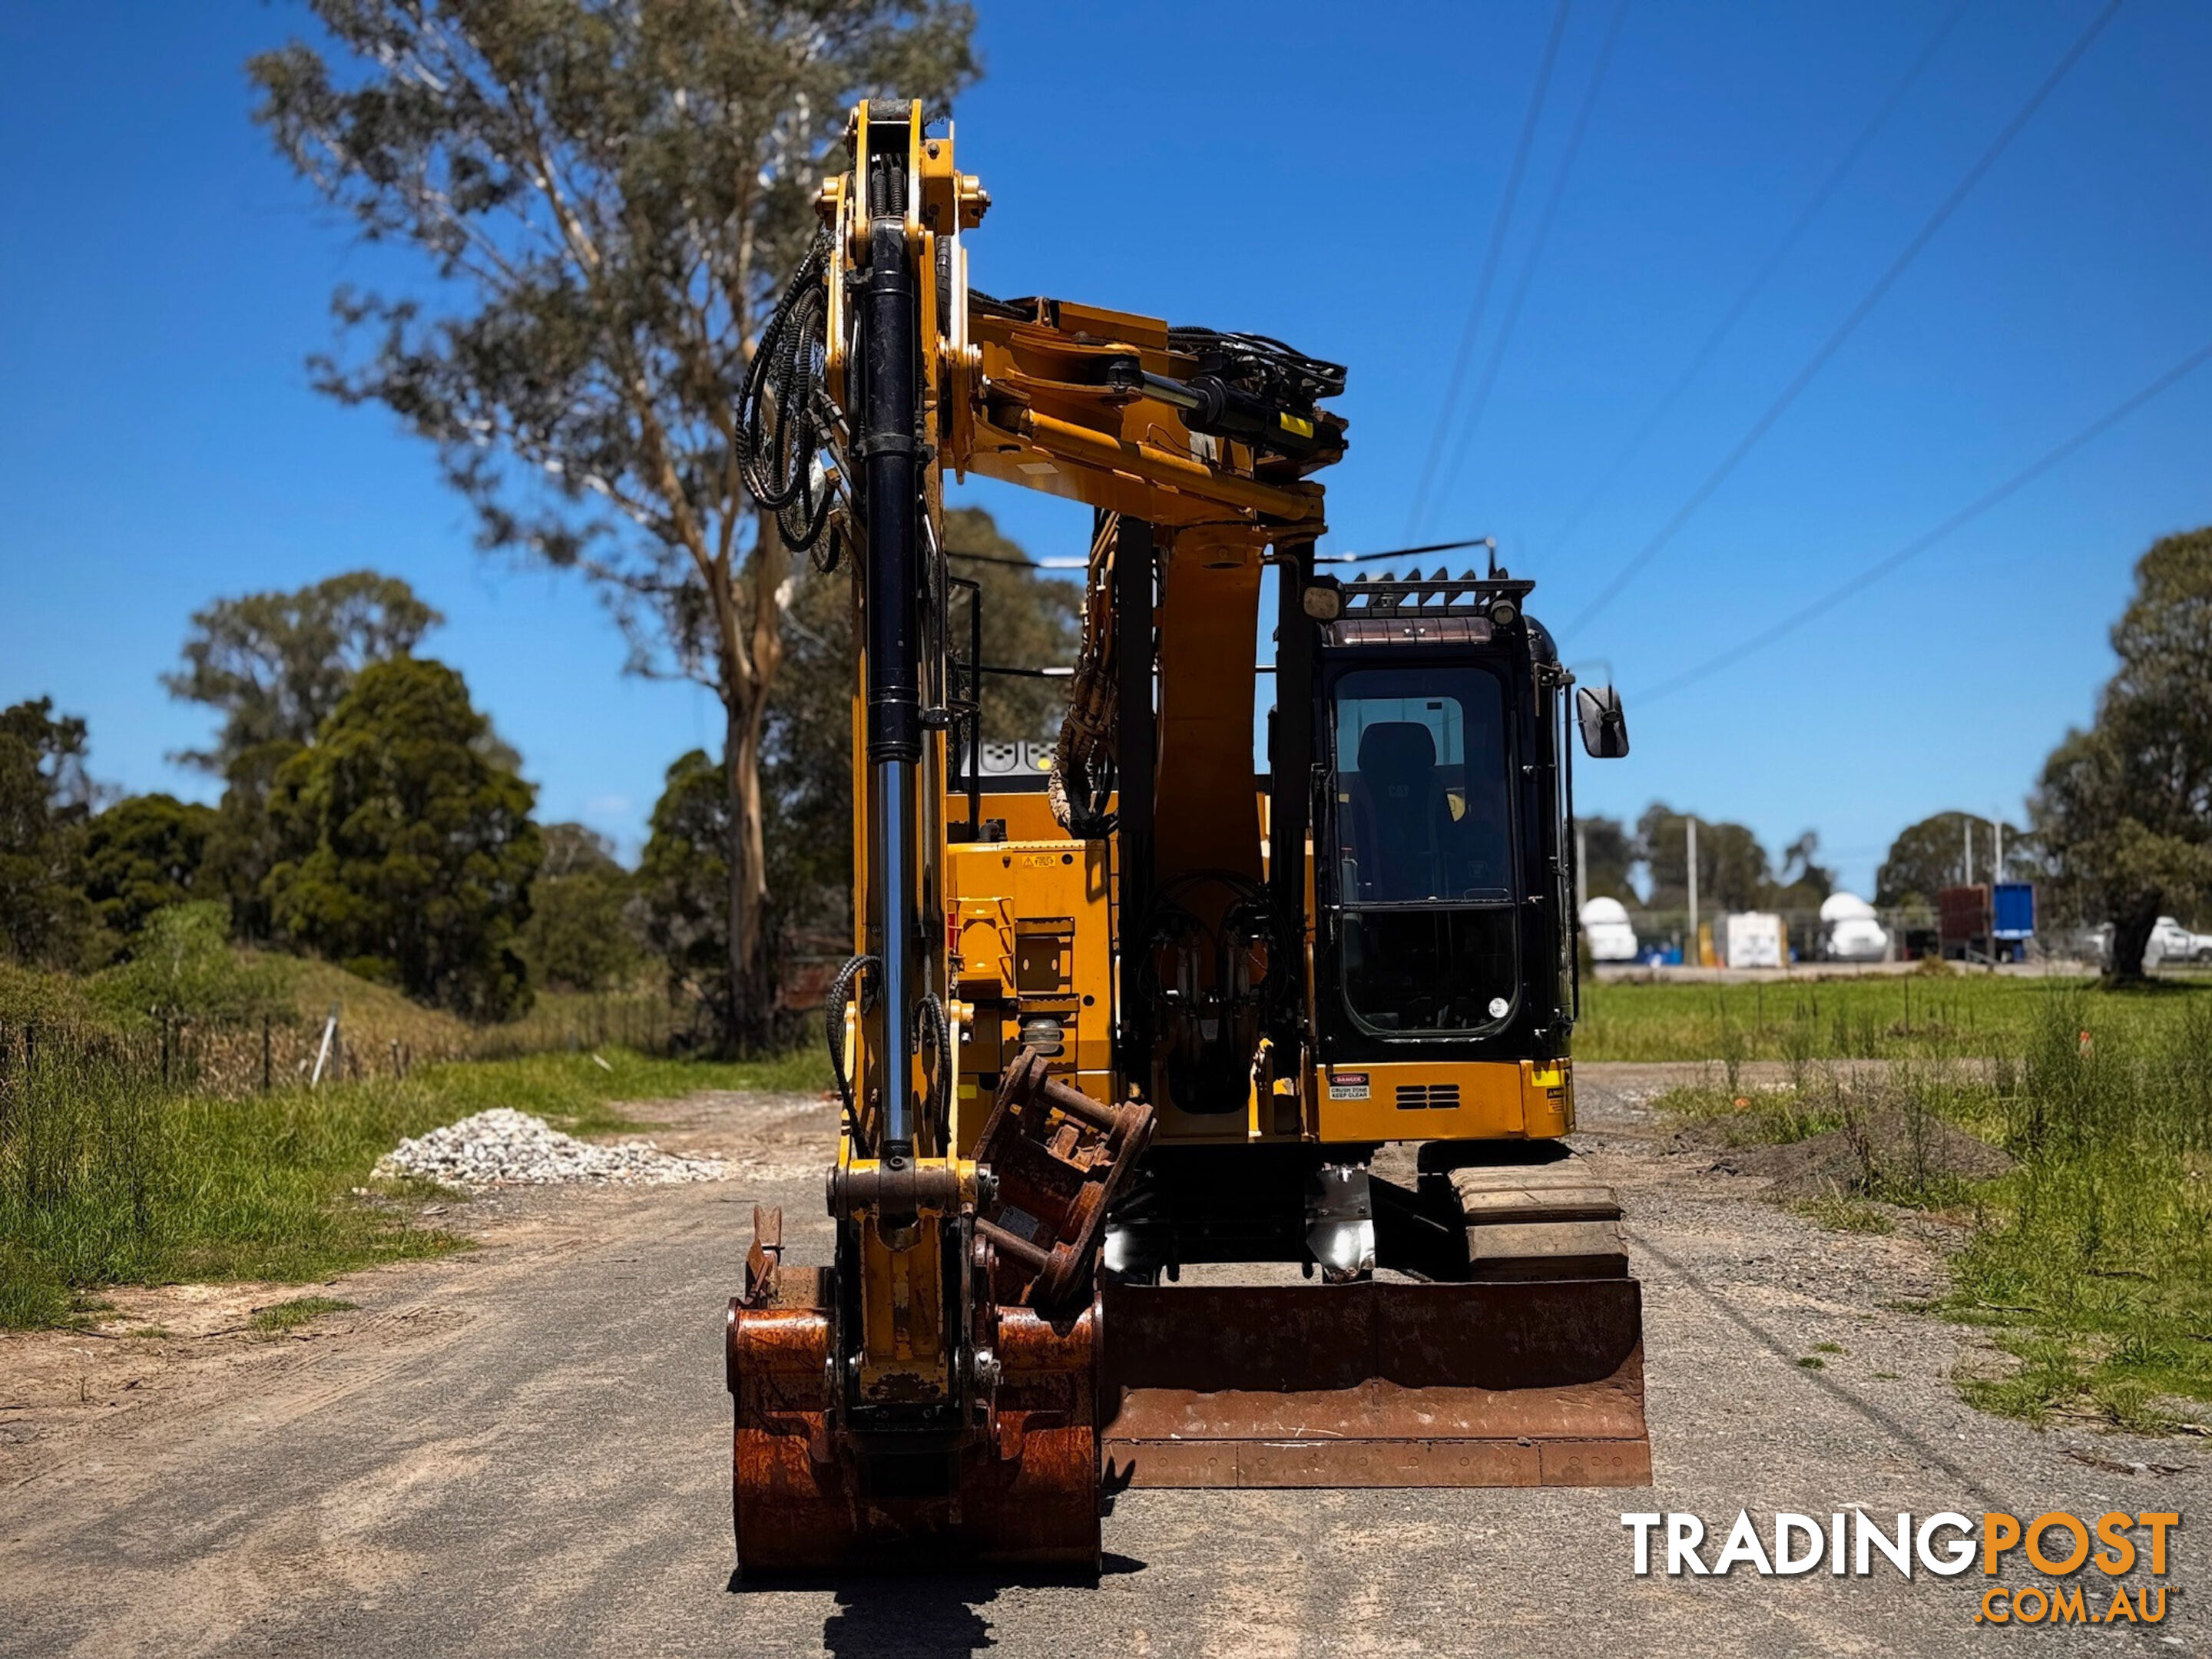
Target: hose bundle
[(936, 1031), (785, 418), (1262, 365), (1082, 768)]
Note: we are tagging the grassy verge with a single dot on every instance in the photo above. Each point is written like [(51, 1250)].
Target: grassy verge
[(2090, 1261), (1908, 1016), (285, 1317), (107, 1179), (218, 1018), (2093, 1265)]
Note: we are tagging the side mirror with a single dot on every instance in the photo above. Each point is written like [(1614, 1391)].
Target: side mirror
[(1604, 723)]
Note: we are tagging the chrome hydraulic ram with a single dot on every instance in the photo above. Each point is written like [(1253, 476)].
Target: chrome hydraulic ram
[(889, 456)]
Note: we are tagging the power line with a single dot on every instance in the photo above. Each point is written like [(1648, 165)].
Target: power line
[(1474, 326), (1766, 274), (1843, 331), (1406, 552), (1018, 564), (1966, 515), (1325, 558), (1512, 316)]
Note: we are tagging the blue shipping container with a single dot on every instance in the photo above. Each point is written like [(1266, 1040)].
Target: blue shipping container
[(2014, 904)]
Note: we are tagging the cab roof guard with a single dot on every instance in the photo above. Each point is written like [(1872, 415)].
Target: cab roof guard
[(1465, 594)]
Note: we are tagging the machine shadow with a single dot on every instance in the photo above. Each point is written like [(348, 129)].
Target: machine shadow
[(1417, 1229), (922, 1615)]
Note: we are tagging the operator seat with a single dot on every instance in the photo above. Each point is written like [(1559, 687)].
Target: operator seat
[(1399, 838)]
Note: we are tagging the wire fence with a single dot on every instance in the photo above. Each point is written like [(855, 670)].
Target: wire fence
[(230, 1060), (1909, 933)]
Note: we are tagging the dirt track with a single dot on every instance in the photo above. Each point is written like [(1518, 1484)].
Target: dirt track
[(523, 1450)]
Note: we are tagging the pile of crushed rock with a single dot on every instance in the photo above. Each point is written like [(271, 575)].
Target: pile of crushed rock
[(505, 1148)]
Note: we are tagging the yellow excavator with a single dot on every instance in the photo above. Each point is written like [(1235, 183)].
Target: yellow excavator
[(1202, 1126)]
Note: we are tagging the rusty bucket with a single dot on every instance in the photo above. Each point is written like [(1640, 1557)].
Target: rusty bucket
[(1023, 1490)]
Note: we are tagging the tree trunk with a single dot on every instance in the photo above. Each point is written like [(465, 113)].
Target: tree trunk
[(2131, 930), (744, 703), (751, 977)]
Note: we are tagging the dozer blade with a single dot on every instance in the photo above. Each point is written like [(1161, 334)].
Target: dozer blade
[(807, 1498), (1376, 1384)]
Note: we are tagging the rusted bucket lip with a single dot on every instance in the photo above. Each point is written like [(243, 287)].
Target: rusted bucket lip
[(1209, 1339)]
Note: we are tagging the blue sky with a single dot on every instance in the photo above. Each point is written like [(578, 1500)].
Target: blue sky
[(1329, 174)]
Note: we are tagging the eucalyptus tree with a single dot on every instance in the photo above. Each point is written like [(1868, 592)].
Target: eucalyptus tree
[(2124, 811), (608, 194), (275, 664)]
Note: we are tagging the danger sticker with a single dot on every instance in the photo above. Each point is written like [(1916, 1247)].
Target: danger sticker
[(1348, 1085)]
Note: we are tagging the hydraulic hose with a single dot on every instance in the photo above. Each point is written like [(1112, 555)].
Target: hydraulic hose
[(939, 1027), (832, 1028)]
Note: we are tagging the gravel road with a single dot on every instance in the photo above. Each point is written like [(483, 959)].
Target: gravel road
[(523, 1450)]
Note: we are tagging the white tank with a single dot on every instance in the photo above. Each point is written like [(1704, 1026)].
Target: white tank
[(1854, 933), (1606, 926), (1841, 906)]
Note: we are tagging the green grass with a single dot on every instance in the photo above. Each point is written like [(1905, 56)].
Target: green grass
[(2090, 1263), (106, 1180), (229, 1015), (282, 1316), (1907, 1016), (2094, 1272), (1847, 1215), (2094, 1261), (1756, 1117)]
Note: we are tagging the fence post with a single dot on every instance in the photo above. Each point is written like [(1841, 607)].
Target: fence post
[(323, 1054)]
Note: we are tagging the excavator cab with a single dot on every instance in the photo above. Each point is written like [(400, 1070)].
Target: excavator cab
[(1442, 807), (1199, 1128)]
